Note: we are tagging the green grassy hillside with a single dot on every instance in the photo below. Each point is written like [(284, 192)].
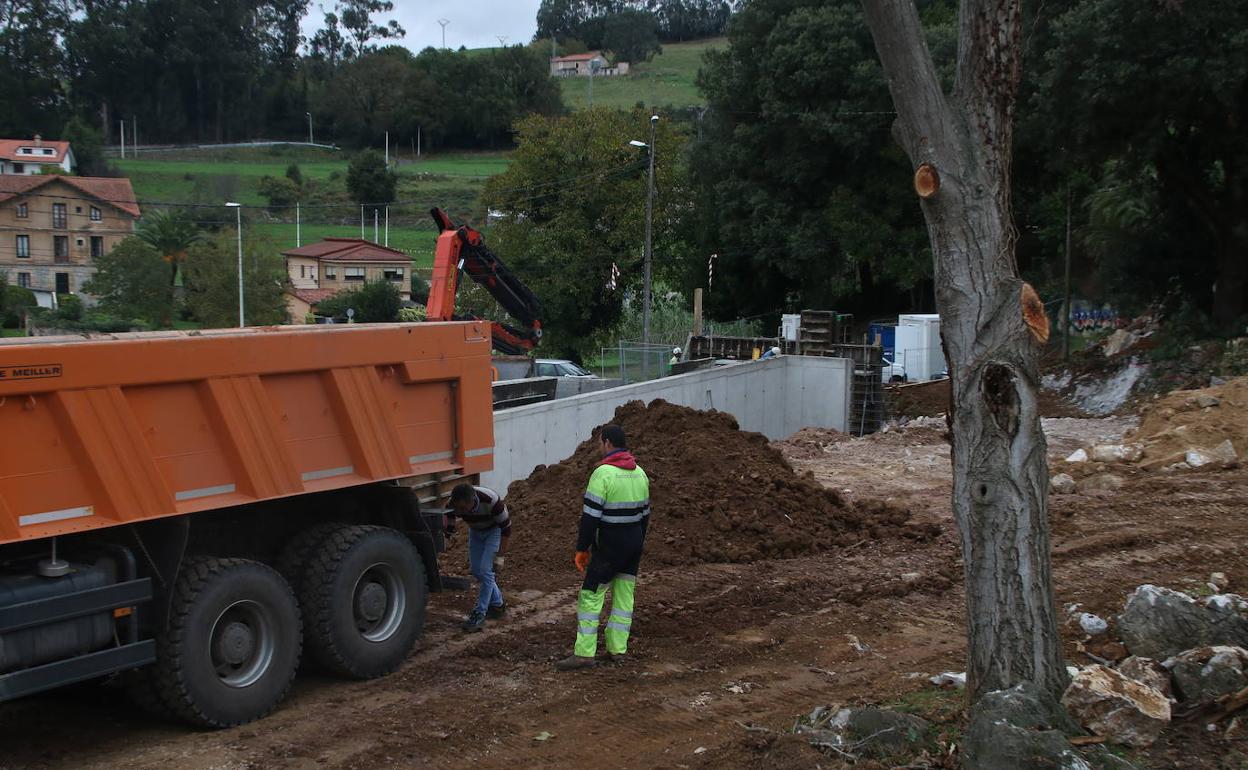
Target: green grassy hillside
[(666, 80)]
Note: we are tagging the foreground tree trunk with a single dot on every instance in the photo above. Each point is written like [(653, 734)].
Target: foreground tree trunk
[(961, 149)]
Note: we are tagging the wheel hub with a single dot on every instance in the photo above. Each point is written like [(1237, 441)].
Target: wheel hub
[(235, 643), (370, 603)]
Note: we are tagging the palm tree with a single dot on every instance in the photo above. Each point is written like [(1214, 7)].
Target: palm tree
[(171, 232)]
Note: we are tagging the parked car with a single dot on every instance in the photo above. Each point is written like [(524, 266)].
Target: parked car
[(559, 367)]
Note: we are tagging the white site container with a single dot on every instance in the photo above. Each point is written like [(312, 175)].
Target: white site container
[(917, 347), (790, 324)]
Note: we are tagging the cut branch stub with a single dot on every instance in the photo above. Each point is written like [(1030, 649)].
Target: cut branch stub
[(1001, 397), (1033, 314), (926, 181)]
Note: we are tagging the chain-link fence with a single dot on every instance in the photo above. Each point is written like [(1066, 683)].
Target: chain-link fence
[(635, 361)]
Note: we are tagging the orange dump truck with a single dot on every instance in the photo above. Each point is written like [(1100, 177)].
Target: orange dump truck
[(202, 510)]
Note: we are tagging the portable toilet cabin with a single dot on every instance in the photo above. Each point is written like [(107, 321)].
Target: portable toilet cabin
[(917, 346)]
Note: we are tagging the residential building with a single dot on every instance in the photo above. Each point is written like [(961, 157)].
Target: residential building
[(585, 64), (52, 227), (320, 270), (33, 156)]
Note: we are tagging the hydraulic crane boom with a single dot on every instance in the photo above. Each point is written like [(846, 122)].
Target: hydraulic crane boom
[(462, 248)]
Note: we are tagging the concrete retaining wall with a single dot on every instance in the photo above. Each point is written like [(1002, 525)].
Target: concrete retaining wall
[(775, 397)]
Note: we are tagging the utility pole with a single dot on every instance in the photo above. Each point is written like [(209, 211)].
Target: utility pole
[(417, 142), (375, 234), (298, 239), (309, 127), (361, 221), (444, 22), (387, 151), (123, 138), (645, 318), (1066, 303), (502, 41), (238, 209), (134, 137), (387, 226)]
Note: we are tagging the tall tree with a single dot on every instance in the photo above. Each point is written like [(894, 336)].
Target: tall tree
[(212, 282), (1161, 88), (171, 232), (574, 204), (960, 146)]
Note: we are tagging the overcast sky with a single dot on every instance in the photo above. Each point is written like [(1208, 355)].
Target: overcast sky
[(474, 23)]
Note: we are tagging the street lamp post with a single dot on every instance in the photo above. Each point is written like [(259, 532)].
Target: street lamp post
[(238, 210), (645, 304), (309, 127)]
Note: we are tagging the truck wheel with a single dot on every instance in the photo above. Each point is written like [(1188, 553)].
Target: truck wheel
[(230, 650), (364, 597), (292, 562)]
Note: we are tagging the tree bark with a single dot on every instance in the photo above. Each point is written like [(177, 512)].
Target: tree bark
[(1000, 473)]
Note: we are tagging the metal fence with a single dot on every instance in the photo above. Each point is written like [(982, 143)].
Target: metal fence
[(635, 361)]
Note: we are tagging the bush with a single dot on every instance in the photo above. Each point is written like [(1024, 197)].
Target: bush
[(411, 314), (376, 302), (70, 307), (295, 174), (280, 190), (16, 302), (420, 289), (368, 179)]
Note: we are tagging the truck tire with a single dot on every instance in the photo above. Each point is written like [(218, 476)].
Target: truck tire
[(292, 562), (364, 595), (229, 652)]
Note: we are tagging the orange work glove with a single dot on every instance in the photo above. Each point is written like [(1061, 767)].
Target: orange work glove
[(582, 560)]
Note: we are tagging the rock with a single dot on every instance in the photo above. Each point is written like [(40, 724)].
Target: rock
[(1204, 674), (1062, 484), (1077, 456), (1092, 625), (1105, 482), (1223, 454), (871, 732), (1119, 341), (1117, 453), (1219, 580), (911, 577), (1022, 728), (949, 679), (1160, 623), (1226, 603), (1206, 401), (1147, 671), (1121, 709)]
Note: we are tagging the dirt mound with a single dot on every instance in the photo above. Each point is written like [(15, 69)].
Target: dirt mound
[(718, 494), (810, 443), (1188, 419)]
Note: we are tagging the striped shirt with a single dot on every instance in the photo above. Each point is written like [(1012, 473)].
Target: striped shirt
[(489, 512)]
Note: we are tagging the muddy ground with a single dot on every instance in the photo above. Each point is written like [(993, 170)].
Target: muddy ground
[(725, 656)]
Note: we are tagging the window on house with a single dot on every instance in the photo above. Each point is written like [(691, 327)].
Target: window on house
[(59, 217), (331, 272), (22, 211), (19, 168), (60, 248), (394, 274), (97, 246), (77, 209), (303, 271), (23, 246), (62, 283), (47, 151), (353, 274), (95, 214), (23, 280)]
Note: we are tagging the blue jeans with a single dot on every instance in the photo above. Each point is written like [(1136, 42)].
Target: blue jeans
[(482, 545)]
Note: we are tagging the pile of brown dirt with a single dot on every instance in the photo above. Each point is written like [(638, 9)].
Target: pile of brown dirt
[(810, 443), (1187, 419), (718, 494)]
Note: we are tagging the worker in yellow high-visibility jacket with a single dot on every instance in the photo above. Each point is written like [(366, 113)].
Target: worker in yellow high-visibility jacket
[(614, 518)]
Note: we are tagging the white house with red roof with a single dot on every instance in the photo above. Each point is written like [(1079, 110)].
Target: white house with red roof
[(32, 156), (585, 64), (320, 270)]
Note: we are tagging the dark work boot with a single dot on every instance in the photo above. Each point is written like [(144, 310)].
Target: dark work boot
[(575, 662)]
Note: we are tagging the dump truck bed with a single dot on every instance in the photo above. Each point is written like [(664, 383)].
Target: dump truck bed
[(102, 432)]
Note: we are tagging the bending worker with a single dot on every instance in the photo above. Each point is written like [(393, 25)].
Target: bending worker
[(489, 526), (614, 519)]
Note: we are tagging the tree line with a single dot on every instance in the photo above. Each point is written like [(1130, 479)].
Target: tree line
[(187, 71)]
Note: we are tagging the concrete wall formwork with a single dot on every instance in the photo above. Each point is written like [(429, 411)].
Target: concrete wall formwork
[(775, 397)]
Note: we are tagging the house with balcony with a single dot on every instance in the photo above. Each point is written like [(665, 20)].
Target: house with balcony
[(34, 156), (53, 227), (320, 270)]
